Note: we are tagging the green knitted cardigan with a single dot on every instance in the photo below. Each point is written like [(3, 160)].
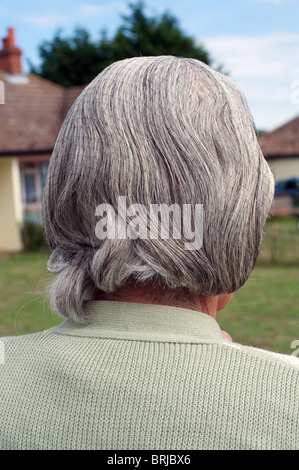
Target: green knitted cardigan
[(144, 377)]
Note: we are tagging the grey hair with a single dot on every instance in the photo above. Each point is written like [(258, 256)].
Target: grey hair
[(156, 130)]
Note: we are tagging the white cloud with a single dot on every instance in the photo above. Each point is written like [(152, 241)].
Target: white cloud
[(80, 12), (276, 2), (268, 56), (49, 20), (86, 10), (264, 66)]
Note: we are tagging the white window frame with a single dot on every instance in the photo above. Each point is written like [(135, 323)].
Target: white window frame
[(33, 170)]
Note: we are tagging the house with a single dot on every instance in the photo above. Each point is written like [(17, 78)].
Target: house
[(32, 110), (281, 150), (31, 115)]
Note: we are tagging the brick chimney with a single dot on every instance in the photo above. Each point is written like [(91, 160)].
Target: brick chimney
[(10, 55)]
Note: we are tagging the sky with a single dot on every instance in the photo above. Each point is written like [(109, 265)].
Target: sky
[(255, 41)]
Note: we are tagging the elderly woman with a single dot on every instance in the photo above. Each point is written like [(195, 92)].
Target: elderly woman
[(156, 198)]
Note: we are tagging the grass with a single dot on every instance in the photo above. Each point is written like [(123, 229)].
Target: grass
[(281, 241), (263, 313), (23, 307)]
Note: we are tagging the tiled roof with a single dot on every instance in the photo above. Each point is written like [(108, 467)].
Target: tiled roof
[(70, 95), (283, 141), (35, 108), (33, 112)]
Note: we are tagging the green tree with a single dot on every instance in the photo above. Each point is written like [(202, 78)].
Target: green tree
[(77, 60), (69, 61)]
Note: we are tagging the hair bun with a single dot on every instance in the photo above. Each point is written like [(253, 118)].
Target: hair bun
[(56, 263)]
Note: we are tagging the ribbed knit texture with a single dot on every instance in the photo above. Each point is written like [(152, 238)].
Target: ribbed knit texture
[(68, 388)]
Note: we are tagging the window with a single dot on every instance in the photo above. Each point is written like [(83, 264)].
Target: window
[(43, 174), (30, 187), (33, 176)]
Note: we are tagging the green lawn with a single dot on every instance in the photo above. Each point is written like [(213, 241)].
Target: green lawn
[(23, 307), (264, 313)]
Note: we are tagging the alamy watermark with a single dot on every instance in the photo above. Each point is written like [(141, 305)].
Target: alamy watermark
[(160, 221), (295, 93), (2, 353), (295, 345), (2, 93)]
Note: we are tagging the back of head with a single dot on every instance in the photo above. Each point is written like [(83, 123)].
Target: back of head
[(155, 130)]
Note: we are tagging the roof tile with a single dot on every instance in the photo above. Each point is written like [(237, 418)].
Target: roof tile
[(33, 113), (283, 141)]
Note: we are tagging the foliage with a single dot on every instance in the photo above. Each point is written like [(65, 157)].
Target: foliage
[(77, 60), (33, 237), (261, 133)]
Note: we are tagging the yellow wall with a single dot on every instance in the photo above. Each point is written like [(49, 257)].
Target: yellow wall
[(284, 168), (10, 206)]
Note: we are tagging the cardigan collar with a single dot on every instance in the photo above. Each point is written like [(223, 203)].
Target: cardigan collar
[(144, 322)]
